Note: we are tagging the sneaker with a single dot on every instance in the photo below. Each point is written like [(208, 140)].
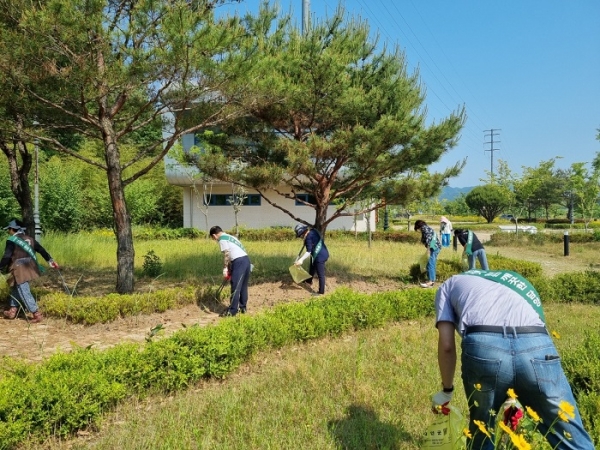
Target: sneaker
[(37, 317), (243, 310), (11, 313), (427, 285), (226, 313), (316, 294)]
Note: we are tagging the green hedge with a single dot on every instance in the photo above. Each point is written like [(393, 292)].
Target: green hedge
[(71, 391), (448, 267), (526, 239), (91, 310)]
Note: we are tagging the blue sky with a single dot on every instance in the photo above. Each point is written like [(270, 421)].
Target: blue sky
[(530, 70)]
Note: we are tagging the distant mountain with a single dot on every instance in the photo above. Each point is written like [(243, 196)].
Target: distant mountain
[(450, 193)]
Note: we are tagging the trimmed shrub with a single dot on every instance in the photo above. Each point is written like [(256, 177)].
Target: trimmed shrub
[(448, 267), (91, 310), (577, 287), (70, 391)]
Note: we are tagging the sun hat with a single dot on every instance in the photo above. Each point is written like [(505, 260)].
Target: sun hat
[(300, 229), (13, 225)]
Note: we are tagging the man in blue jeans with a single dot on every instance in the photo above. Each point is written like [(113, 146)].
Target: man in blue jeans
[(505, 345), (473, 248)]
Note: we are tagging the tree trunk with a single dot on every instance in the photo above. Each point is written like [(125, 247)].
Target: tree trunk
[(19, 176), (320, 218), (125, 250)]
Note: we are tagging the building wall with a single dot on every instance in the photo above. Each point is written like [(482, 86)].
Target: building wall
[(262, 216)]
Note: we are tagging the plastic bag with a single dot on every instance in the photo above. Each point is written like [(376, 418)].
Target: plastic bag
[(423, 260), (299, 274), (446, 432), (464, 261)]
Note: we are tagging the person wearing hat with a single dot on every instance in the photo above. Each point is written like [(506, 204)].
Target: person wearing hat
[(236, 267), (445, 231), (432, 242), (316, 250), (21, 262)]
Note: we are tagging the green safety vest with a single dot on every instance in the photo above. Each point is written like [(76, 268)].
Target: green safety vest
[(515, 282), (469, 245), (227, 237), (25, 246)]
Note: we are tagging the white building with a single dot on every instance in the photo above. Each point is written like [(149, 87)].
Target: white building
[(255, 213)]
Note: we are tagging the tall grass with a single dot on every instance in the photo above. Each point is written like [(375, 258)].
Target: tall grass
[(197, 259)]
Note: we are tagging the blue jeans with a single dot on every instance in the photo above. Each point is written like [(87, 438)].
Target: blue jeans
[(240, 274), (21, 297), (498, 362), (431, 263), (445, 240), (480, 255)]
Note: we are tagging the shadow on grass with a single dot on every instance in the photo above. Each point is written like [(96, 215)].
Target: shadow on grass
[(361, 429)]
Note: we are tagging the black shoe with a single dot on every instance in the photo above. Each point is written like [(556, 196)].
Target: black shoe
[(226, 314), (243, 310)]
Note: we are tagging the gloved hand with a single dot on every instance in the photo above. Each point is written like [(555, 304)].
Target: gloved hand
[(53, 264), (301, 259), (225, 272), (439, 402)]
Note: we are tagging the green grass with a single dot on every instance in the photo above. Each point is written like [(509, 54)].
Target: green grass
[(366, 390), (198, 259)]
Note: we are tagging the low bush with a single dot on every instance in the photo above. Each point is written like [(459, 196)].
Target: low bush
[(448, 267), (70, 391), (577, 287), (91, 310)]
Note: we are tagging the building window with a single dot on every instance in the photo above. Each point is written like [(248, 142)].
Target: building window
[(225, 200), (305, 197)]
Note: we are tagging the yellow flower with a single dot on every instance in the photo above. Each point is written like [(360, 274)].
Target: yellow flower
[(511, 393), (505, 427), (477, 386), (519, 442), (555, 335), (467, 433), (567, 408), (562, 416), (534, 416), (482, 428)]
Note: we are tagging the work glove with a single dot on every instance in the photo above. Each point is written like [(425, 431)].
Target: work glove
[(301, 259), (439, 402), (225, 272), (53, 264)]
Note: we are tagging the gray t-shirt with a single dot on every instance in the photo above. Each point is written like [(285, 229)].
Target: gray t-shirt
[(468, 300)]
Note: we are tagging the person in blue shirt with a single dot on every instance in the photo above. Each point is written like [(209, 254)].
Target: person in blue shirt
[(316, 250)]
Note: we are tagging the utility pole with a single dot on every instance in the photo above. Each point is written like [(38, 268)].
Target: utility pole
[(36, 191), (305, 16), (492, 133)]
